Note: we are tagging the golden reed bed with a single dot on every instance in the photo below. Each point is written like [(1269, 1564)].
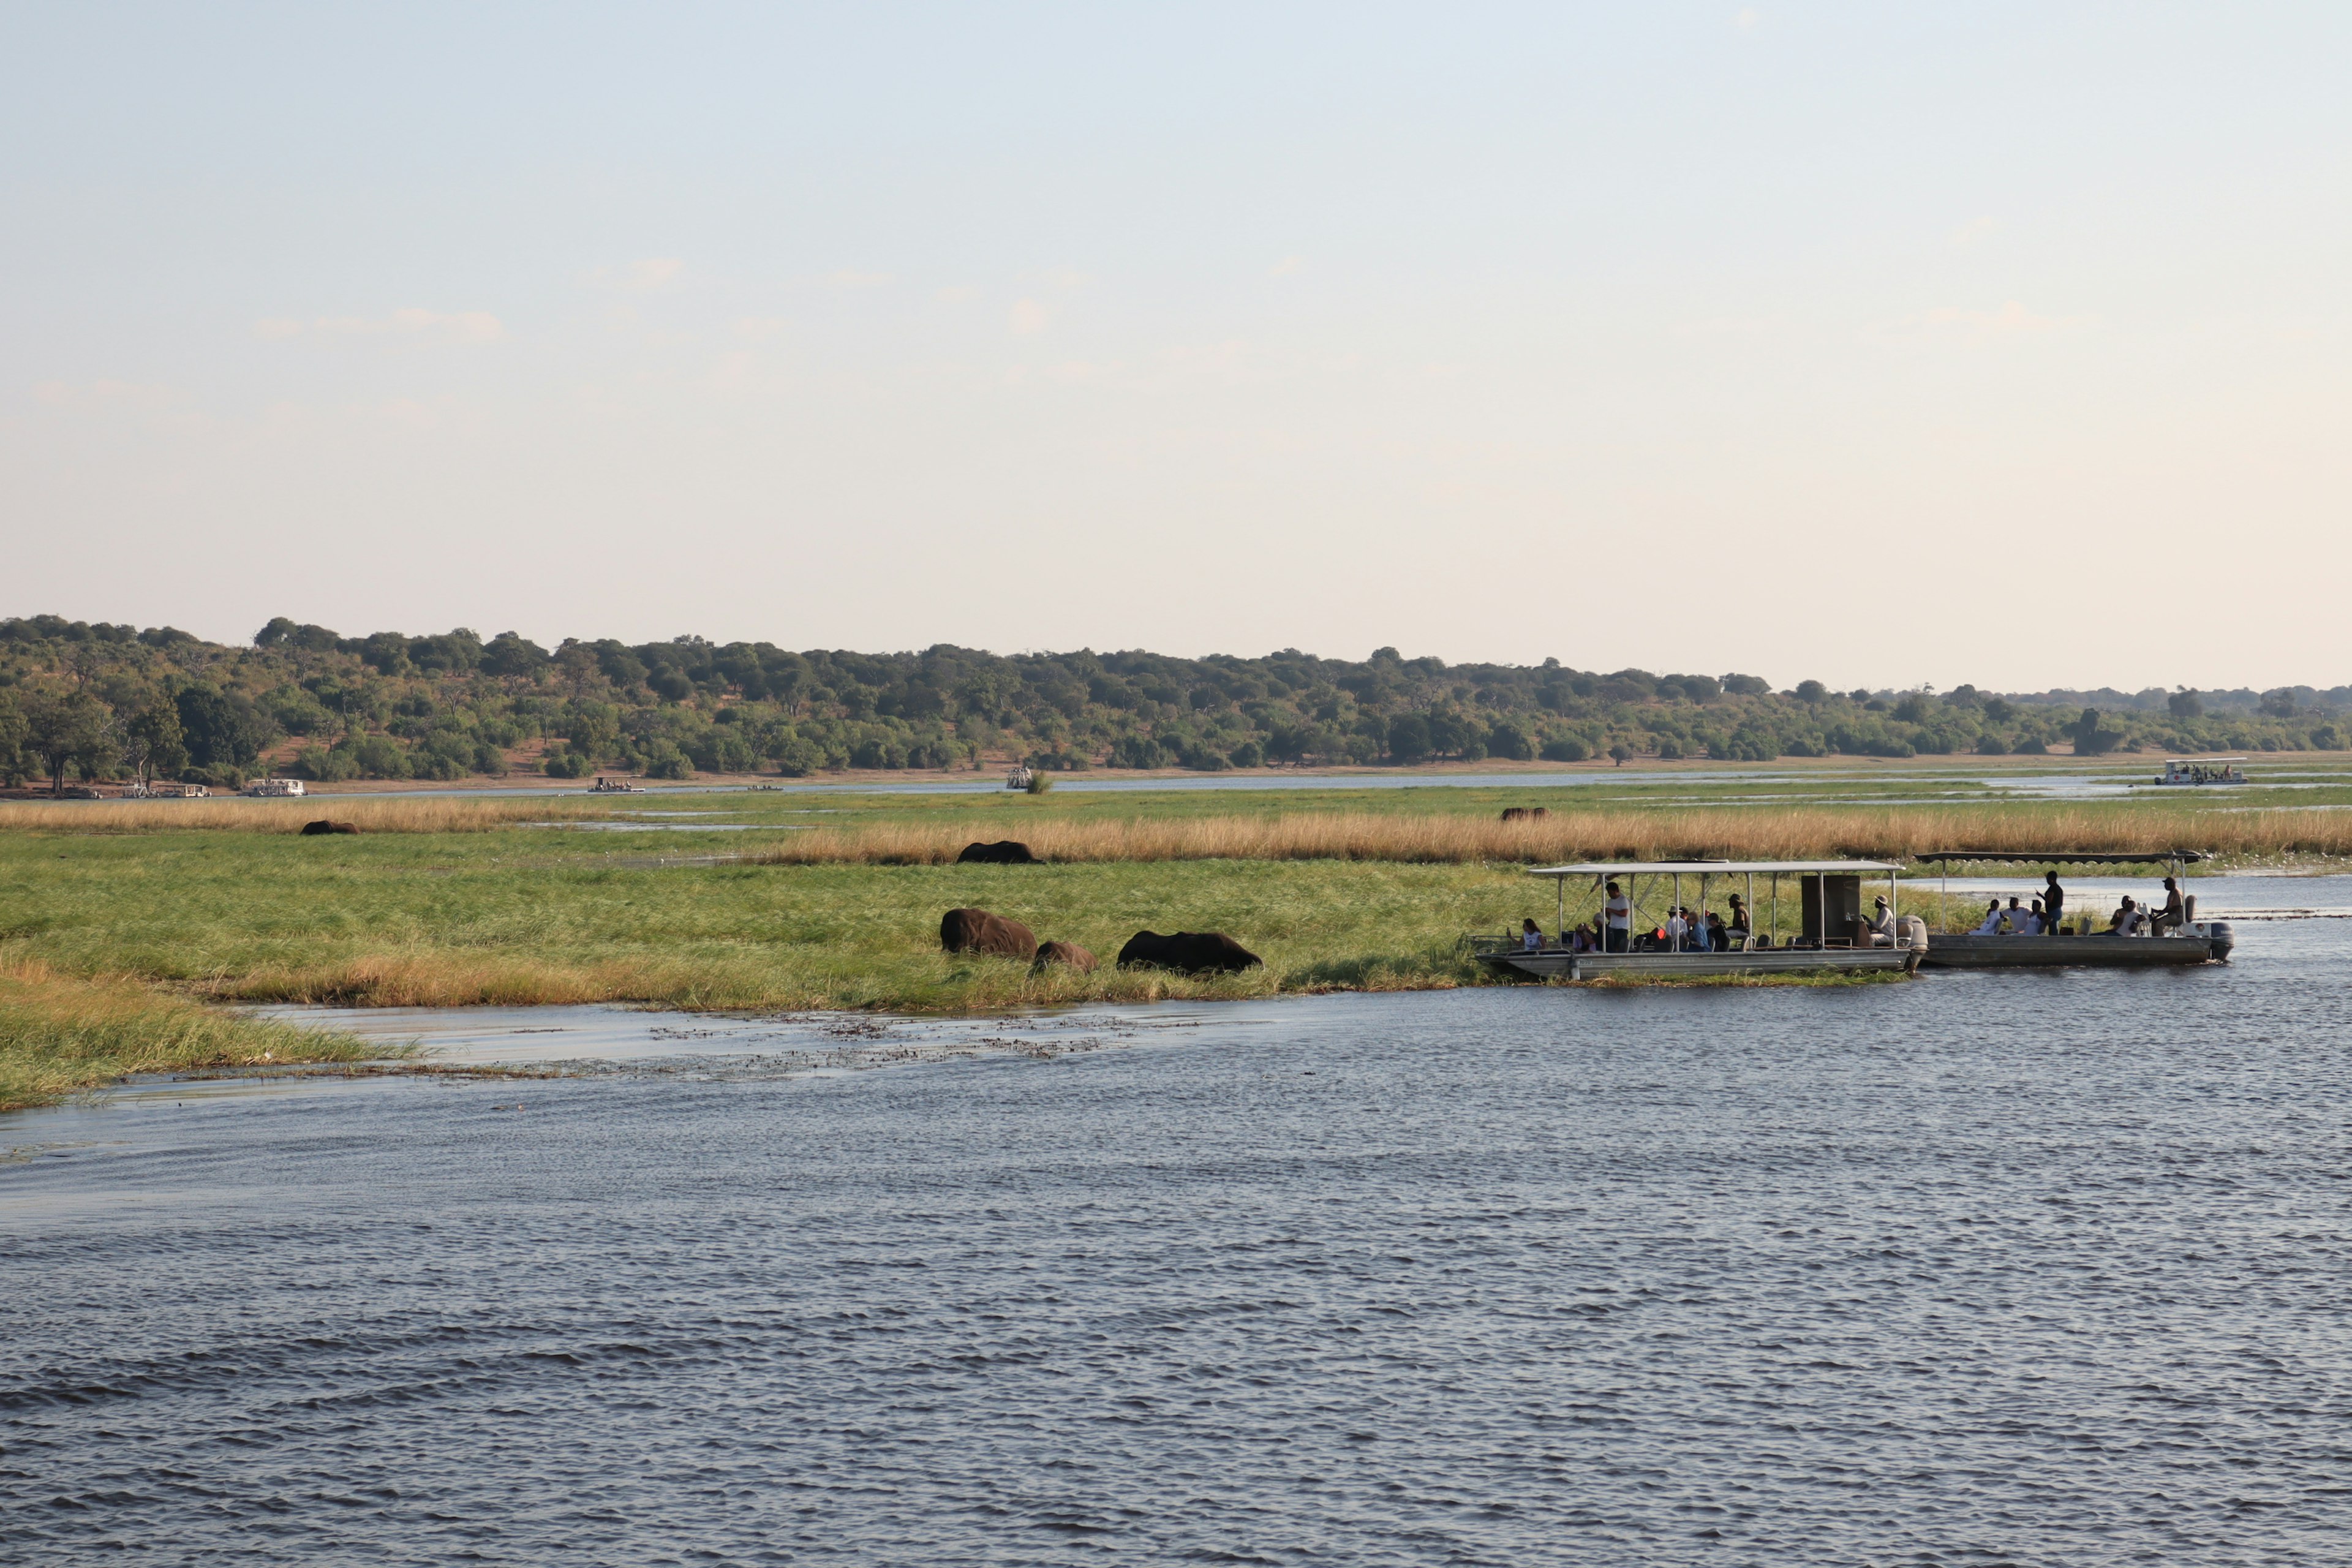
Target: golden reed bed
[(239, 813), (1875, 833)]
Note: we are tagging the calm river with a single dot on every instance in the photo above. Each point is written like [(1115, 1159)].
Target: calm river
[(2043, 1269)]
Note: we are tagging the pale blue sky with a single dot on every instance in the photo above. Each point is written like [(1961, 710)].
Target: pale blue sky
[(1493, 332)]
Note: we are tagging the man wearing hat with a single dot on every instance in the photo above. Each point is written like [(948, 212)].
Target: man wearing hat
[(1882, 924)]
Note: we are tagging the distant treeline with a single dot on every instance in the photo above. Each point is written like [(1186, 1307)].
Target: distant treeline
[(93, 702)]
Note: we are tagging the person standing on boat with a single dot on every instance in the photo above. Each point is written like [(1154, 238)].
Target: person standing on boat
[(2054, 904), (1619, 911)]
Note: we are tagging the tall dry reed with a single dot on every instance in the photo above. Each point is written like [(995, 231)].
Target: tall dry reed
[(237, 814), (1738, 833)]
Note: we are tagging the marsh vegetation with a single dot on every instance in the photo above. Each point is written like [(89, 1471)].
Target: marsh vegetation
[(119, 921)]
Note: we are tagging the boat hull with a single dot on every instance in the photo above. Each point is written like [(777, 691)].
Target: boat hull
[(1691, 965), (2071, 952)]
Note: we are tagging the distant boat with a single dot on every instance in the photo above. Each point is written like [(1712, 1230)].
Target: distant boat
[(1019, 778), (615, 786), (282, 788), (2202, 771)]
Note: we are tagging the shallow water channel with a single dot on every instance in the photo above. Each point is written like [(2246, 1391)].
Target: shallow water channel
[(2030, 1268)]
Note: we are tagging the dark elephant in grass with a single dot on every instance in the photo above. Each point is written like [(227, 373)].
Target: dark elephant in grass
[(1068, 953), (322, 825), (977, 931), (1525, 812), (1009, 852), (1188, 952)]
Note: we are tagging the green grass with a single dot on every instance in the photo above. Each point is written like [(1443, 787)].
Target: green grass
[(58, 1033), (110, 941)]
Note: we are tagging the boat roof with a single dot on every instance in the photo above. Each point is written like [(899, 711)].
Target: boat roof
[(2067, 857), (1707, 867), (2170, 762)]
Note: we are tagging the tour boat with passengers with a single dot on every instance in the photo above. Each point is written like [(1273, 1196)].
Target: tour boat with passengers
[(2195, 772), (1637, 939), (2087, 944)]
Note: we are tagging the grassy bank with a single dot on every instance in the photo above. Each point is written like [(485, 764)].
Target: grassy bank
[(117, 921), (59, 1034)]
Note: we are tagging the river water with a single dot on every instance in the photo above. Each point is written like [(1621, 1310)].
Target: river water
[(2036, 1268)]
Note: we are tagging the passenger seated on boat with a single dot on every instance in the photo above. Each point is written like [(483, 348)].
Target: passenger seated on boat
[(1531, 937), (1882, 924), (1677, 929), (1701, 939), (1991, 926), (2019, 919), (2172, 916), (2129, 920), (1738, 927), (1578, 941), (1719, 936)]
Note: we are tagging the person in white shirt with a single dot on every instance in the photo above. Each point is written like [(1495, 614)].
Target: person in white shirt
[(1676, 929), (1882, 925), (1531, 937), (2130, 918), (1991, 926), (1619, 911), (2020, 919)]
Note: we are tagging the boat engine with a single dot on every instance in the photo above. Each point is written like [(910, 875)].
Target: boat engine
[(2216, 933)]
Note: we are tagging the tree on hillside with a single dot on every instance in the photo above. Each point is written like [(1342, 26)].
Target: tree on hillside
[(66, 729), (2090, 741), (221, 729), (153, 743), (15, 760)]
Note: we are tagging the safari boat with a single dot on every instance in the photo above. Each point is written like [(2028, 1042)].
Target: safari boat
[(2196, 772), (1831, 931), (2197, 942)]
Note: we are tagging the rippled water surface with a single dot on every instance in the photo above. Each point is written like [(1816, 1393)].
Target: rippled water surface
[(1979, 1268)]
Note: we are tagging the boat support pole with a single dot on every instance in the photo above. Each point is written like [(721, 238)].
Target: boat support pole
[(1776, 903), (1560, 883), (1675, 912), (1749, 945)]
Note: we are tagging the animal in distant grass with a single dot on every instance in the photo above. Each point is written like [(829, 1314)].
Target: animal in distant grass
[(1068, 953), (1007, 852), (977, 931), (1188, 952), (323, 826), (1525, 812)]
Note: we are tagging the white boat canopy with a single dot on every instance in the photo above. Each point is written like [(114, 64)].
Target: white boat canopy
[(1711, 868)]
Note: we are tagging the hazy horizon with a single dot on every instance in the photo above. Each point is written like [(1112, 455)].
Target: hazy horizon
[(2017, 337)]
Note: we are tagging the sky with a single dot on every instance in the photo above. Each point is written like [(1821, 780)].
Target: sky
[(1884, 346)]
